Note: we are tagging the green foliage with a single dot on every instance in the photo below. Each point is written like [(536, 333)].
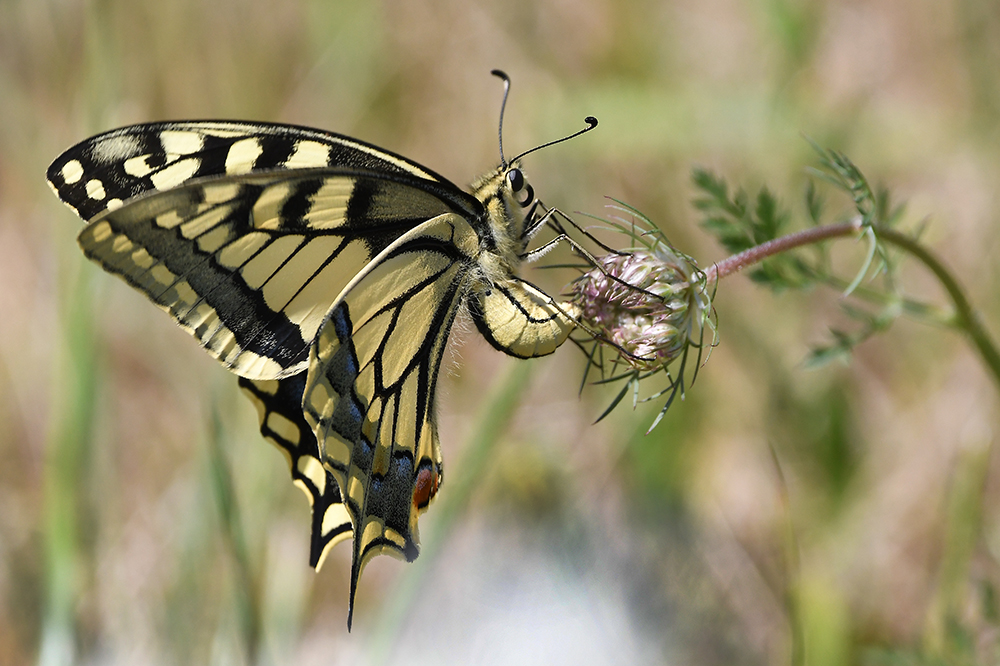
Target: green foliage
[(874, 207), (739, 226), (950, 636), (844, 342)]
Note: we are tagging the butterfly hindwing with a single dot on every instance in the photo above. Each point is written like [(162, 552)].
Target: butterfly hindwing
[(279, 408), (373, 412), (520, 319)]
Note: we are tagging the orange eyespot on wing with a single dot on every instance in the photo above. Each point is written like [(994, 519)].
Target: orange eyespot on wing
[(426, 485)]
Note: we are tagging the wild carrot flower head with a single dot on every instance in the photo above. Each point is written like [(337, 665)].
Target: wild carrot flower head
[(650, 305), (646, 303)]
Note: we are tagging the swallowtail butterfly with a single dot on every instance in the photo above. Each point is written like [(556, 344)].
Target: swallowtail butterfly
[(326, 273)]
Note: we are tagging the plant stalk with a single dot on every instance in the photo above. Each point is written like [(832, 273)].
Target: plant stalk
[(965, 316)]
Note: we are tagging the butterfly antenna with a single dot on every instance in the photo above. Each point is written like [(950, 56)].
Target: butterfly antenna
[(591, 124), (503, 105)]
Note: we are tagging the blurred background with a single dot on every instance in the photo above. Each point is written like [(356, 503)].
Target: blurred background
[(852, 510)]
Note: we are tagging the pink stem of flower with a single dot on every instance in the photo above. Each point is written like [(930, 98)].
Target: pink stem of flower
[(966, 317), (760, 252)]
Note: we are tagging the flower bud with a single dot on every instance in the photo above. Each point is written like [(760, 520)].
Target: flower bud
[(648, 303)]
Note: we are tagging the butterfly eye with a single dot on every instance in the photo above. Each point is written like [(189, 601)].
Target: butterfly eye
[(517, 183), (516, 180)]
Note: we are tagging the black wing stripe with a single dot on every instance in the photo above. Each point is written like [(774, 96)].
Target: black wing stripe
[(390, 496), (182, 230), (383, 432), (236, 228), (274, 153), (298, 205)]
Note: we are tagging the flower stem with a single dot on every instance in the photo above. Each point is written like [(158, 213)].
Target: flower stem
[(965, 317), (760, 252)]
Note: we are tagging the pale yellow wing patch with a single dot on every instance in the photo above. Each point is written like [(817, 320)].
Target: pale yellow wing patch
[(241, 267)]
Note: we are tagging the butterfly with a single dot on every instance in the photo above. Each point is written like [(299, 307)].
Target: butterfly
[(327, 274)]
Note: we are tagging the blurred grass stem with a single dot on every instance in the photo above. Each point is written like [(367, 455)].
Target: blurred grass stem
[(248, 588), (66, 470)]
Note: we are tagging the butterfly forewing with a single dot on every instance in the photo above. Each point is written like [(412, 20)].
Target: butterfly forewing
[(108, 169), (251, 267)]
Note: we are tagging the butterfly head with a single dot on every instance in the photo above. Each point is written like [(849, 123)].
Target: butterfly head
[(508, 201), (513, 188)]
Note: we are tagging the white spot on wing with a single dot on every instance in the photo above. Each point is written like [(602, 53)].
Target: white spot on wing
[(197, 317), (253, 366), (169, 220), (227, 130), (175, 174), (214, 239), (95, 190), (242, 155), (72, 172), (100, 231), (221, 192), (162, 275), (137, 166), (239, 251), (335, 516), (180, 142), (199, 224), (309, 154), (115, 148), (286, 430), (121, 244), (312, 469), (142, 258)]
